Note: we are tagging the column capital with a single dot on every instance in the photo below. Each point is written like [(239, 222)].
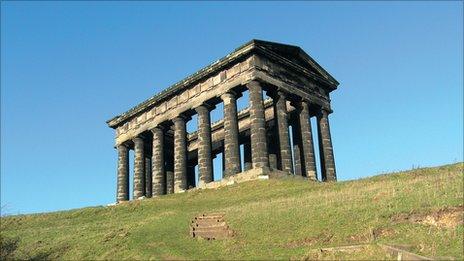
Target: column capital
[(181, 117), (325, 111), (274, 93), (123, 145), (138, 138), (281, 93), (304, 105), (205, 107), (253, 84), (300, 104), (158, 129), (230, 94)]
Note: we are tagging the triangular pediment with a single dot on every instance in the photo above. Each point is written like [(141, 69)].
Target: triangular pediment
[(296, 55)]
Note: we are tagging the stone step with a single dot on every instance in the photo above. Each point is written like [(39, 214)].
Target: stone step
[(207, 224), (207, 221), (212, 234), (209, 228), (209, 217)]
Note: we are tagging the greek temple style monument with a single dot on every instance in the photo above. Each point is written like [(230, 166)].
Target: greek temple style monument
[(165, 155)]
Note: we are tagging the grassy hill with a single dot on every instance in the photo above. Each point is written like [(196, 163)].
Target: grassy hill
[(273, 219)]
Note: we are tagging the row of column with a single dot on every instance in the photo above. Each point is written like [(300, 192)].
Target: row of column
[(205, 163), (305, 159), (256, 151)]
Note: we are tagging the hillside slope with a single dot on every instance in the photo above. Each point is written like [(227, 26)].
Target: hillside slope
[(273, 219)]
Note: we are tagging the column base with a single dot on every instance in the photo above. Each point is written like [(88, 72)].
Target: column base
[(261, 173), (252, 174), (311, 175)]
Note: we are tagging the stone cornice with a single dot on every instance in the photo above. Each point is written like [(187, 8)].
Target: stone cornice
[(208, 70)]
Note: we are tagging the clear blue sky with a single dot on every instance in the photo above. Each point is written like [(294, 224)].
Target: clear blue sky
[(66, 68)]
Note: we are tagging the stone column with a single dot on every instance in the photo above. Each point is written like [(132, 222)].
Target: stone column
[(273, 148), (180, 154), (247, 156), (139, 168), (205, 162), (296, 135), (325, 145), (148, 178), (169, 167), (231, 146), (223, 160), (273, 160), (157, 161), (258, 126), (190, 176), (123, 174), (307, 142), (280, 101), (169, 182)]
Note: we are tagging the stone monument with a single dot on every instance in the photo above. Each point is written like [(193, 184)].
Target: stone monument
[(165, 155)]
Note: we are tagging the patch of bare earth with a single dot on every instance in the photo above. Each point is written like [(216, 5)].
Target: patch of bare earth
[(448, 217), (383, 232), (325, 238), (309, 241)]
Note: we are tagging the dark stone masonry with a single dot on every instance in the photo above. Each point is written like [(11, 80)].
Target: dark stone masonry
[(205, 161), (180, 154), (259, 153), (123, 173), (157, 161), (275, 133), (307, 141), (231, 137), (282, 129), (139, 168)]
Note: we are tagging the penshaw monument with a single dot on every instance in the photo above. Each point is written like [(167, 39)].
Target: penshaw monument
[(165, 154)]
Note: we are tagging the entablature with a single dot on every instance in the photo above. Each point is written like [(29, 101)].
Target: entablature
[(233, 72)]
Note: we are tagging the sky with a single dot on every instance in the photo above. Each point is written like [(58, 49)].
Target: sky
[(67, 67)]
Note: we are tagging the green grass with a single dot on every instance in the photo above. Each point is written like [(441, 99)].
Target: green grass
[(273, 219)]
